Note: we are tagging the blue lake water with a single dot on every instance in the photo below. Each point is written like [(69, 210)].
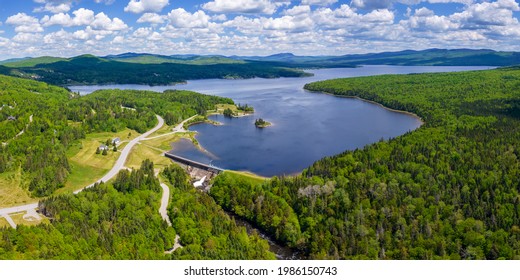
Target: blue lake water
[(306, 126)]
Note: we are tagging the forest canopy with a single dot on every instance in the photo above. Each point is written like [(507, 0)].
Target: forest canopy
[(448, 190)]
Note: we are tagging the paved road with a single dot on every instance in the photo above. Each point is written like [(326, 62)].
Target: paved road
[(164, 203), (120, 163), (9, 220), (177, 129)]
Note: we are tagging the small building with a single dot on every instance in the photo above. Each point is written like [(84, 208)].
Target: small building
[(116, 141), (11, 118), (103, 147)]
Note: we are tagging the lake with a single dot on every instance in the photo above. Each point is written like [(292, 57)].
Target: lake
[(306, 126)]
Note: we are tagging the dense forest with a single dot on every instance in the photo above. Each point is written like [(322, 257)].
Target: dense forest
[(205, 230), (91, 70), (39, 122), (449, 190), (108, 221)]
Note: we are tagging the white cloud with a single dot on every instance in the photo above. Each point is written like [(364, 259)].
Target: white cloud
[(85, 17), (151, 18), (118, 40), (241, 6), (183, 19), (81, 17), (297, 10), (221, 17), (425, 20), (288, 23), (57, 19), (103, 22), (54, 6), (24, 23), (81, 35), (303, 26), (481, 15), (141, 6), (27, 37), (57, 37)]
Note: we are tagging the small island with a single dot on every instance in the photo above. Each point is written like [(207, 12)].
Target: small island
[(260, 123)]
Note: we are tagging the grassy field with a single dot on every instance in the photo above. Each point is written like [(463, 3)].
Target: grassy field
[(153, 149), (19, 220), (13, 190), (248, 176), (87, 166)]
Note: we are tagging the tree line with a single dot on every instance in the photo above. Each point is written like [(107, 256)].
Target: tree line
[(448, 190)]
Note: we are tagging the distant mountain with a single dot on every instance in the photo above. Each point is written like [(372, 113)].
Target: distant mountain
[(144, 68), (31, 62), (145, 58), (89, 69), (13, 60), (429, 57)]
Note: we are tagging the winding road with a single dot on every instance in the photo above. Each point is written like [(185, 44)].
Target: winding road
[(120, 164), (177, 129)]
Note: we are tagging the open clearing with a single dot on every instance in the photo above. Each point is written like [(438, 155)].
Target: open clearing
[(12, 189), (87, 166), (154, 149), (248, 176)]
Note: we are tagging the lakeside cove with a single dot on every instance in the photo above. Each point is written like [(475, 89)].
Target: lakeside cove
[(319, 124)]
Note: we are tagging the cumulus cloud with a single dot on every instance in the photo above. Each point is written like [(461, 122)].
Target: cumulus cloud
[(24, 23), (289, 23), (241, 6), (499, 13), (152, 18), (24, 37), (54, 6), (103, 22), (83, 16), (425, 19), (141, 6), (297, 10), (256, 27), (183, 19)]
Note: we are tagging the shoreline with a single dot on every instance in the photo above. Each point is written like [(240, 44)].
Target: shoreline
[(372, 102)]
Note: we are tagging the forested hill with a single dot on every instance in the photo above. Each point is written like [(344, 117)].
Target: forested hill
[(449, 190), (431, 57), (120, 221), (60, 118), (153, 69), (89, 69)]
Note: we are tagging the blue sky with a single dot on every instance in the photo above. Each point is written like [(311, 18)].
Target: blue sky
[(253, 27)]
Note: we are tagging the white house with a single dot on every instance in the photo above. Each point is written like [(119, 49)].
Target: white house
[(116, 141)]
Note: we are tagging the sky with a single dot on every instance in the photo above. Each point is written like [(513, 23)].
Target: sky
[(66, 28)]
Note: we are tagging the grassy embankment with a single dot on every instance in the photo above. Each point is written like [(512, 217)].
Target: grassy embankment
[(87, 166)]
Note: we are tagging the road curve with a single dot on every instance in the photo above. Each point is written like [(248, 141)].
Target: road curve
[(177, 129), (120, 163), (164, 204)]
